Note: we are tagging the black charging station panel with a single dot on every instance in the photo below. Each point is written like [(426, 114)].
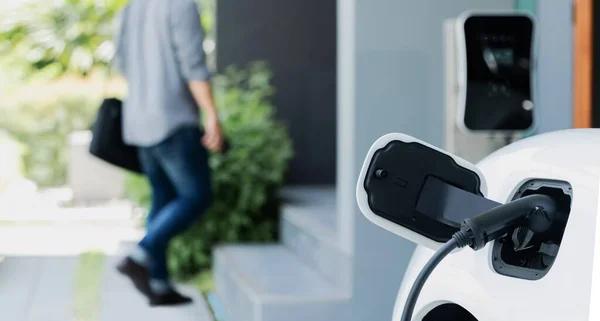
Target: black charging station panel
[(395, 181), (499, 63)]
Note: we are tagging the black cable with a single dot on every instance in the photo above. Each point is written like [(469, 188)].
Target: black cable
[(459, 240)]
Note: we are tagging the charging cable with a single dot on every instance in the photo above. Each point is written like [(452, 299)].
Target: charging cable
[(535, 212)]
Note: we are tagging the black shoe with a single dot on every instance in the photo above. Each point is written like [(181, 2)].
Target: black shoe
[(138, 274), (170, 298)]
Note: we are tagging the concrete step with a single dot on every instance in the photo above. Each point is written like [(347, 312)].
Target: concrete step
[(321, 198), (62, 240), (116, 211), (308, 228), (270, 283)]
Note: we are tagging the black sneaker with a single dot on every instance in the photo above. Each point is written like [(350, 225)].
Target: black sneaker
[(170, 298), (138, 274)]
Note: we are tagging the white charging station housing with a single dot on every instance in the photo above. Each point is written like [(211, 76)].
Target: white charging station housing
[(570, 290), (491, 284)]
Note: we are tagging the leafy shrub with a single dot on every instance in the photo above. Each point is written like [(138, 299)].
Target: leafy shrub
[(48, 39), (245, 179), (42, 128), (52, 38)]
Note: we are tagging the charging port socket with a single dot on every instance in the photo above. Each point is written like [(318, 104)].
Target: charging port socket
[(525, 255)]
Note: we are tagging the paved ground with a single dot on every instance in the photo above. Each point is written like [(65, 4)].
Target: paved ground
[(37, 288), (37, 278), (117, 290)]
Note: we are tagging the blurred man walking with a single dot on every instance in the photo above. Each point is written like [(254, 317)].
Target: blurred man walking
[(160, 53)]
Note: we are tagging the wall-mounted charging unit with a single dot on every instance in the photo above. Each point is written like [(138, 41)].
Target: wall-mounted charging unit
[(495, 72), (489, 80)]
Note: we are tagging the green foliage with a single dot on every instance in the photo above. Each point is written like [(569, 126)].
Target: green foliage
[(204, 281), (137, 189), (42, 128), (51, 38), (207, 13), (245, 179)]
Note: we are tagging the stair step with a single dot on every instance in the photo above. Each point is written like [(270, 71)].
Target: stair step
[(270, 283), (308, 229), (321, 198)]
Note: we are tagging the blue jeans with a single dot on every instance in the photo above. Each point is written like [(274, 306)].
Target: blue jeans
[(179, 175)]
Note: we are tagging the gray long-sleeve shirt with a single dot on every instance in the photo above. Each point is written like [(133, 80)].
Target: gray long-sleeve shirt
[(159, 50)]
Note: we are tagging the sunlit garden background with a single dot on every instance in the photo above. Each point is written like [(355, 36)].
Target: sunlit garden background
[(55, 65)]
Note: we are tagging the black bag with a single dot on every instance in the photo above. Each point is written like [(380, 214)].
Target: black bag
[(107, 140)]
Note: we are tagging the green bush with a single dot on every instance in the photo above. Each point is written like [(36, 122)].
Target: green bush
[(53, 38), (48, 39), (245, 179), (42, 128)]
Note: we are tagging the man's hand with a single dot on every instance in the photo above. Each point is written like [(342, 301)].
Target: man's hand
[(213, 137)]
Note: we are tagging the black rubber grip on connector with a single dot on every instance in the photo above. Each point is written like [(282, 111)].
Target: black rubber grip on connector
[(462, 238), (533, 211)]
